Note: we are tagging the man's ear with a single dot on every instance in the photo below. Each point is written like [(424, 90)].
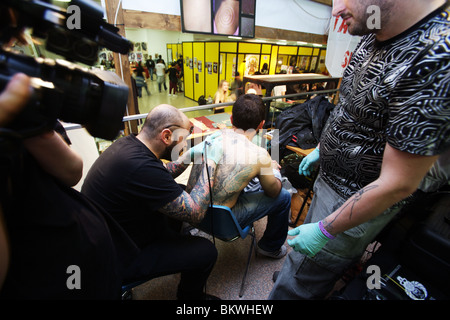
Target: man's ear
[(166, 136), (231, 119)]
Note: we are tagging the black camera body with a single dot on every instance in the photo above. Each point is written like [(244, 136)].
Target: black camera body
[(95, 99)]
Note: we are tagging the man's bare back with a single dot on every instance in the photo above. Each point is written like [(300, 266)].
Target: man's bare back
[(242, 161)]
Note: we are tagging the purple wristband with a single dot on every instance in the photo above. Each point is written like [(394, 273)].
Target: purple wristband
[(325, 232)]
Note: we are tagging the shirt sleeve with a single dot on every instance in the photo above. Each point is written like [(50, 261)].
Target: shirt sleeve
[(419, 113)]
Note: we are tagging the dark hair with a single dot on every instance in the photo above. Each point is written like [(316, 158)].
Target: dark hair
[(248, 112)]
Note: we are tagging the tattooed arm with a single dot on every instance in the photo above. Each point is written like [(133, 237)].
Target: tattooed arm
[(401, 173), (192, 206), (178, 166)]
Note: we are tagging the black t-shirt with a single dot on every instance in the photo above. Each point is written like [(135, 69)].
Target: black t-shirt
[(173, 74), (131, 184), (52, 227), (392, 92)]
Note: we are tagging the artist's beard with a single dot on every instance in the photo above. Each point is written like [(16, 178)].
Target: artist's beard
[(167, 155)]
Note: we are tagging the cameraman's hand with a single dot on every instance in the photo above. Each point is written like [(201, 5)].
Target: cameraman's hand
[(14, 97)]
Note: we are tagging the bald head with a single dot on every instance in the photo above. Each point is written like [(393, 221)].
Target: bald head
[(161, 117)]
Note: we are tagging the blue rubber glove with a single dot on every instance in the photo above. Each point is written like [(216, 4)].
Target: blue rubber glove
[(214, 148), (197, 150), (308, 163), (310, 239)]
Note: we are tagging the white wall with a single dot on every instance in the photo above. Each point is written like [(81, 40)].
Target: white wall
[(157, 39), (296, 15)]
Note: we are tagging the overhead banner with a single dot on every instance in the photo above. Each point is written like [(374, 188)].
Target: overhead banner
[(340, 47)]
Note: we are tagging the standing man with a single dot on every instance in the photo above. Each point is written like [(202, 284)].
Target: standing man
[(150, 66), (391, 124), (131, 183), (161, 74)]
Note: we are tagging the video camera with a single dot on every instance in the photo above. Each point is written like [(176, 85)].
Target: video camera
[(95, 99)]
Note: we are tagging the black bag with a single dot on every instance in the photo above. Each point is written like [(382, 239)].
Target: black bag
[(301, 126)]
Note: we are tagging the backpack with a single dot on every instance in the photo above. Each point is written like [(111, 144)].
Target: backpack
[(301, 126), (201, 101)]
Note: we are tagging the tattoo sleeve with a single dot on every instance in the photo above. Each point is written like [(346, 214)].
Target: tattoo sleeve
[(178, 166), (192, 206)]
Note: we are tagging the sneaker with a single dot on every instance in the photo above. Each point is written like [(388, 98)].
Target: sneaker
[(278, 254)]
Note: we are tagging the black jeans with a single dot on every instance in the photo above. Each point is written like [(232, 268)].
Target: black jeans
[(193, 257)]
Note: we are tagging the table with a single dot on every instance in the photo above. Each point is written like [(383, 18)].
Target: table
[(206, 125)]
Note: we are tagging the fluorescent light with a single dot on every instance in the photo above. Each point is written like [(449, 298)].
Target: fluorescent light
[(302, 42), (316, 45), (232, 37)]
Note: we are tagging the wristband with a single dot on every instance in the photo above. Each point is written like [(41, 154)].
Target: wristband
[(325, 232)]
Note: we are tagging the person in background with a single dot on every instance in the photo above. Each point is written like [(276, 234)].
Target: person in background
[(391, 124), (173, 79), (140, 83), (150, 63), (237, 88), (222, 95), (161, 74)]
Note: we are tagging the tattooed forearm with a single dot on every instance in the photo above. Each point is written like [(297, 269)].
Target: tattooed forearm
[(192, 206), (176, 168), (348, 207)]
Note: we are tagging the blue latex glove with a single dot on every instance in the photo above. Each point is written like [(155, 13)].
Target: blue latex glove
[(197, 150), (310, 239), (214, 148), (308, 163)]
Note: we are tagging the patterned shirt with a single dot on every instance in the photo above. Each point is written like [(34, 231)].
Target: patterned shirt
[(394, 91)]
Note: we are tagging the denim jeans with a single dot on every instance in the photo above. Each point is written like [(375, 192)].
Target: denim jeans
[(302, 277), (252, 206)]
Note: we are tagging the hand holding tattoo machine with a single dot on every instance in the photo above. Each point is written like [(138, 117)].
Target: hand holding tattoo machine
[(95, 99)]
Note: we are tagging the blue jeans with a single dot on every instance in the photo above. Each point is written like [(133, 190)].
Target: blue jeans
[(313, 278), (253, 206), (151, 73)]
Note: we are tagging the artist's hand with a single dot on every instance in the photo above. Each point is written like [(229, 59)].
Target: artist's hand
[(309, 162), (198, 150), (214, 148), (310, 239)]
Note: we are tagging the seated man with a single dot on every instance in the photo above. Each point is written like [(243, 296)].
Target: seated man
[(243, 161), (131, 183)]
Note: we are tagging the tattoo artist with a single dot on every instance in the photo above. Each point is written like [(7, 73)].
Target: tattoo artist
[(391, 124), (131, 183)]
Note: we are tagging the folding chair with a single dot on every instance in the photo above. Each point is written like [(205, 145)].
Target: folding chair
[(220, 222)]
